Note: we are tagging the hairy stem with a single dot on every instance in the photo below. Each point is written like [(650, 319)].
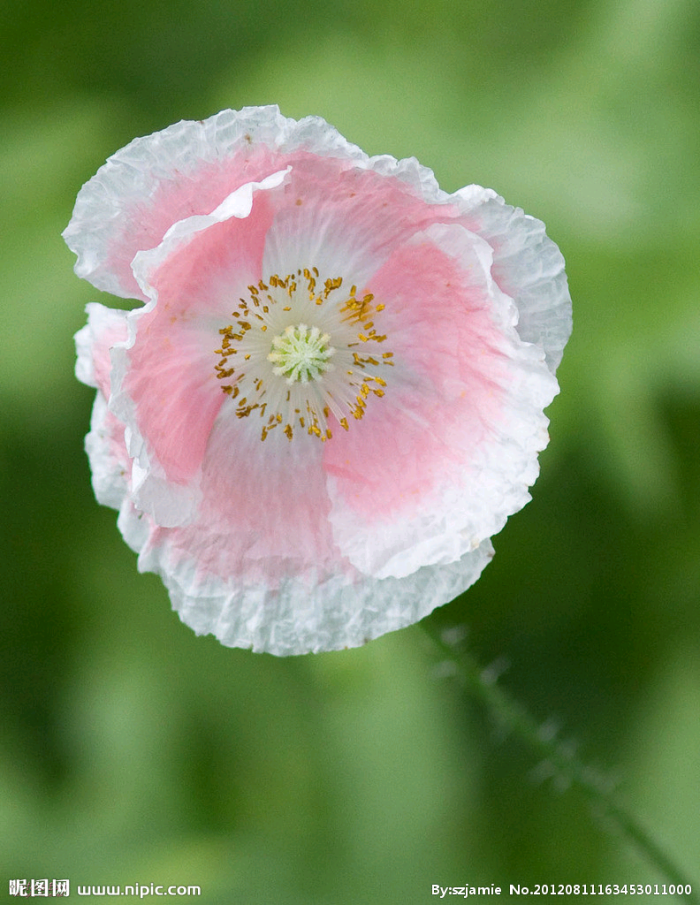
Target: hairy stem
[(563, 762)]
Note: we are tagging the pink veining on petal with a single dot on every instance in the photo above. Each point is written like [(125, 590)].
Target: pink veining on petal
[(327, 185), (335, 213), (171, 377), (264, 510), (440, 392), (181, 196)]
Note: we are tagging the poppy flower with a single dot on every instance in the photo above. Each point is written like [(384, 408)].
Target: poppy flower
[(332, 396)]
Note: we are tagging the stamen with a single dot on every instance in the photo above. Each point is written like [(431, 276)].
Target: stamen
[(310, 322)]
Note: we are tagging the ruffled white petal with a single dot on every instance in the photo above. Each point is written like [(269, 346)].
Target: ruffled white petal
[(113, 219), (309, 613), (528, 266), (109, 463), (105, 326)]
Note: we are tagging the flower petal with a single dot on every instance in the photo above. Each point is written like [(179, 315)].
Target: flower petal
[(165, 387), (182, 171), (437, 464), (105, 446), (105, 328), (344, 219), (528, 266), (321, 613), (315, 610)]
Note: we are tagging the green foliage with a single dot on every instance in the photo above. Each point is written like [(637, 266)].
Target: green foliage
[(133, 751)]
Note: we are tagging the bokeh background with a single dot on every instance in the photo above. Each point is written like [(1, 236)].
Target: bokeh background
[(132, 751)]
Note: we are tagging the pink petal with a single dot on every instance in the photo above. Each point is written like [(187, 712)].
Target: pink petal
[(440, 331), (264, 509), (170, 391), (288, 592), (185, 170), (413, 483), (343, 220)]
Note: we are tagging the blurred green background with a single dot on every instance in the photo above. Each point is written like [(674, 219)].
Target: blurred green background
[(132, 751)]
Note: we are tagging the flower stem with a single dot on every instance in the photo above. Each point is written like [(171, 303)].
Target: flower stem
[(563, 762)]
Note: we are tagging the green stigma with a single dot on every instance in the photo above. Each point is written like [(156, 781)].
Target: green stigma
[(301, 354)]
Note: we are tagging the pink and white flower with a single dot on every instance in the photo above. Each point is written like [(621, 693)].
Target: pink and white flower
[(333, 395)]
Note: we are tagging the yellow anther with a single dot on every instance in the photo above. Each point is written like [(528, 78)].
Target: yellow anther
[(328, 326)]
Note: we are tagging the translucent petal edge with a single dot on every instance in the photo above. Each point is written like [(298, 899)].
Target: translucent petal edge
[(303, 616), (131, 175), (528, 266)]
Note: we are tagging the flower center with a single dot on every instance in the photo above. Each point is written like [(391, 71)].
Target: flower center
[(291, 382), (301, 353)]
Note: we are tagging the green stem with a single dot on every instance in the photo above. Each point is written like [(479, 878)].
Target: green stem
[(563, 761)]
